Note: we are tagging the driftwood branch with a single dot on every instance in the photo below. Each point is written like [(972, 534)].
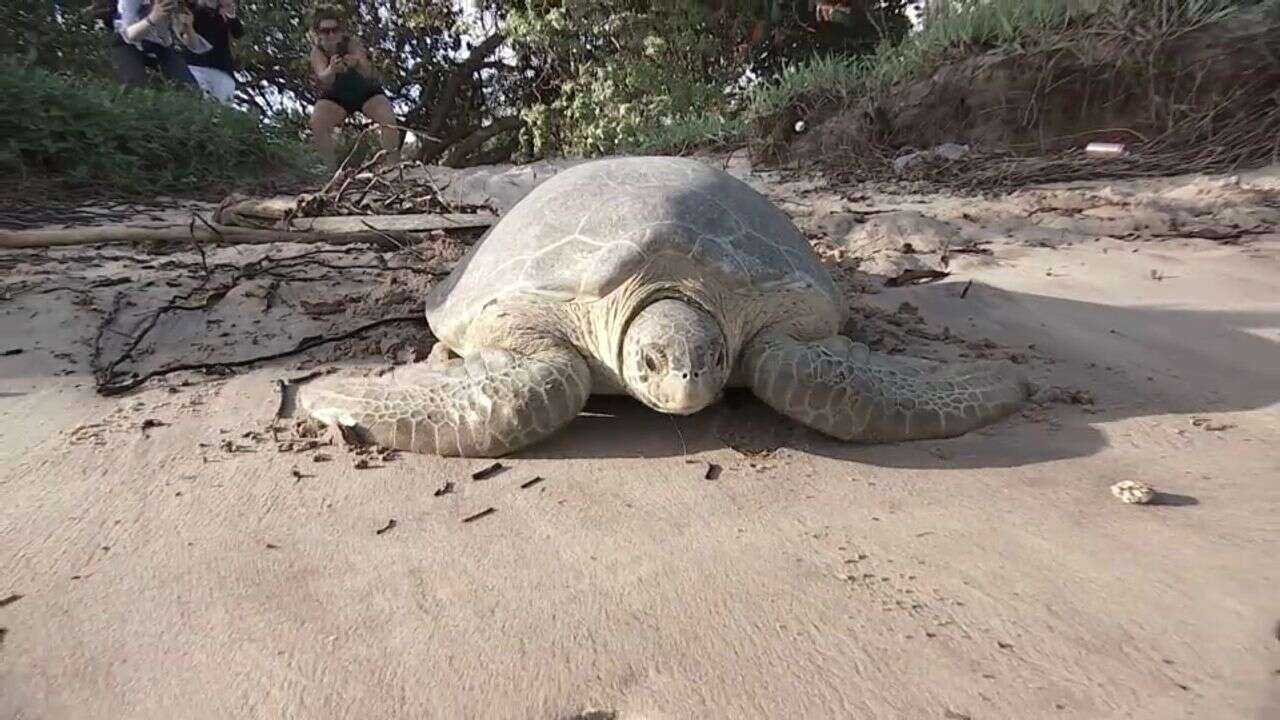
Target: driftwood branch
[(343, 224), (96, 235), (336, 230)]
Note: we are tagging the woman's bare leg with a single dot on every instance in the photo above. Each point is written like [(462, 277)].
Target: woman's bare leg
[(378, 108), (326, 116)]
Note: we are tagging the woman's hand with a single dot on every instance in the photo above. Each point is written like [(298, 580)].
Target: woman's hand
[(160, 10), (184, 26), (185, 23)]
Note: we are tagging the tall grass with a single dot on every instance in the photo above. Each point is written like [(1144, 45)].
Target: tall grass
[(76, 135), (821, 80), (708, 131), (962, 27)]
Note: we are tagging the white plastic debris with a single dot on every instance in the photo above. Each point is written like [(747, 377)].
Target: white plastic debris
[(1105, 150), (800, 126), (1134, 492)]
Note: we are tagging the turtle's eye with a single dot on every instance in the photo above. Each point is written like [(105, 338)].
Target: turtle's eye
[(650, 362), (720, 358)]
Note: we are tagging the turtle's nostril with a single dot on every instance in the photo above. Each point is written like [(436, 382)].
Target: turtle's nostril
[(684, 376)]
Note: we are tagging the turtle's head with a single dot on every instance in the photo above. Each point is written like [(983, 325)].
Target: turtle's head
[(674, 358)]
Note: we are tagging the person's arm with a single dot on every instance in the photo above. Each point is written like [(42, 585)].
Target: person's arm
[(326, 69), (360, 59), (229, 13), (194, 41), (135, 24)]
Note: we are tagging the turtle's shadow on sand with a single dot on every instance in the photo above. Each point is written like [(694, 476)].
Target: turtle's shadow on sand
[(619, 427), (1146, 361)]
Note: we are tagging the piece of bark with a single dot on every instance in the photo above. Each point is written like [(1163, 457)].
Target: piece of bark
[(226, 234), (273, 208), (477, 516), (488, 472), (419, 222), (333, 229)]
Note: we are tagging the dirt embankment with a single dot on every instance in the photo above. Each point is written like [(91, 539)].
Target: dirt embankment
[(1201, 97)]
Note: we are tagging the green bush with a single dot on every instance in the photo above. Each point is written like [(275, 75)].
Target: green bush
[(78, 134), (627, 78)]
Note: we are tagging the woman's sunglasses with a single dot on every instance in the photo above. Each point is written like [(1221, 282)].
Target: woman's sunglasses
[(333, 30)]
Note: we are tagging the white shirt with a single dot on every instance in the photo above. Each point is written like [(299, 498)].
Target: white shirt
[(130, 12)]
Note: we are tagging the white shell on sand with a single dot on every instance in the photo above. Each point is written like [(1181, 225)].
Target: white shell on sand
[(1134, 492)]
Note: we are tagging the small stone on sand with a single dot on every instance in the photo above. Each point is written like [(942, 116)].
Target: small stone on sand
[(1133, 492)]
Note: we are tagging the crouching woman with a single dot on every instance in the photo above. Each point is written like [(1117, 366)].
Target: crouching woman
[(347, 85), (152, 33)]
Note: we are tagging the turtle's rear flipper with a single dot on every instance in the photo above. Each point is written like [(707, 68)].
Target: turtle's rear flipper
[(488, 405), (851, 393)]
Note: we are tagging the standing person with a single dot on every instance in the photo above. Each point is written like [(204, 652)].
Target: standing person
[(216, 21), (151, 30), (347, 83)]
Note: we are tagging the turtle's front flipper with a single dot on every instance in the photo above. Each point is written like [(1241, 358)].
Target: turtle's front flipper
[(439, 357), (487, 405), (845, 390)]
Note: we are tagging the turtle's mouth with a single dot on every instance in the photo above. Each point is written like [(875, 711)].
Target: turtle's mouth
[(678, 396), (673, 356)]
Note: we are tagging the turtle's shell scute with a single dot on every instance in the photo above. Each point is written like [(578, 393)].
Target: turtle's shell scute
[(583, 232)]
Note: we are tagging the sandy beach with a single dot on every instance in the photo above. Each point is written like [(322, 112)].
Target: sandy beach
[(177, 551)]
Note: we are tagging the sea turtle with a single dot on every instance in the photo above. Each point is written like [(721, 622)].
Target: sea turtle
[(661, 278)]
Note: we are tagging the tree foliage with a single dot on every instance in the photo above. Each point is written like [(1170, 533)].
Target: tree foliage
[(59, 35), (609, 73), (533, 77), (772, 34)]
